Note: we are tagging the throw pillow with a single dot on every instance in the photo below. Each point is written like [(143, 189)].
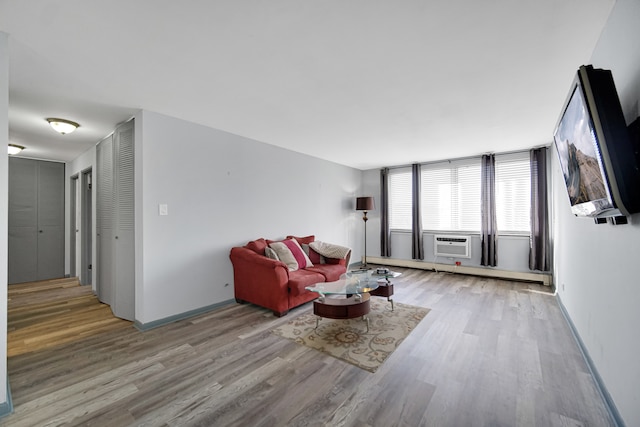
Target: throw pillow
[(285, 255), (270, 253), (315, 257), (290, 252), (298, 253)]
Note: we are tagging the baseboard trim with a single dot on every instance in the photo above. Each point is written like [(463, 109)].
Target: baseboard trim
[(181, 316), (6, 408), (544, 278), (602, 389)]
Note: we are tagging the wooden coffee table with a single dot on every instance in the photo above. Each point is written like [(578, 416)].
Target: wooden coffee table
[(346, 298)]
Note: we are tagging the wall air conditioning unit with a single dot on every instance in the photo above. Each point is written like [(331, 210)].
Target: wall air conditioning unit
[(451, 246)]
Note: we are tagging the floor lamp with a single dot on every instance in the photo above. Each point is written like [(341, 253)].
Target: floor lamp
[(365, 204)]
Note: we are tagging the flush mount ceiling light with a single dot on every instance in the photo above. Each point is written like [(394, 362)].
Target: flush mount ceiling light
[(15, 149), (63, 126)]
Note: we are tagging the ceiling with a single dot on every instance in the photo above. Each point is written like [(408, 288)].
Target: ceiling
[(361, 83)]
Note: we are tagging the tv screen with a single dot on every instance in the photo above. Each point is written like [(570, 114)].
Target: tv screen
[(581, 160), (595, 152)]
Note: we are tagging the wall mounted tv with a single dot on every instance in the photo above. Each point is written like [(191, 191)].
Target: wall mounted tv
[(596, 153)]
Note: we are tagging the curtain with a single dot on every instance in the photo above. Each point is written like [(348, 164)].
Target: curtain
[(488, 226), (539, 248), (417, 249), (385, 231)]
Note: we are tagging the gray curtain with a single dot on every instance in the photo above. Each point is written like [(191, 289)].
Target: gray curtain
[(539, 250), (488, 226), (385, 231), (417, 249)]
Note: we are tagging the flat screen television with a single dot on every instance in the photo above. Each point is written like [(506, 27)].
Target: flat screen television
[(596, 154)]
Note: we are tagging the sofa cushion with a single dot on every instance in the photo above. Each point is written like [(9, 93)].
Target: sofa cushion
[(290, 252), (300, 279), (331, 272), (257, 246)]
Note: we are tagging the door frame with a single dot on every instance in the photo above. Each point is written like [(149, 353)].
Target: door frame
[(74, 223), (87, 227)]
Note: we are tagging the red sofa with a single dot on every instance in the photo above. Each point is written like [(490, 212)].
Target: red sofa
[(269, 283)]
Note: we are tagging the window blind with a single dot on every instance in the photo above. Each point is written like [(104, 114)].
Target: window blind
[(513, 192), (451, 196), (400, 199)]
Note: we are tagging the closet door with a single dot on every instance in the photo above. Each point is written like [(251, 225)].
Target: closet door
[(50, 220), (36, 220), (23, 220), (104, 220), (124, 222), (115, 222)]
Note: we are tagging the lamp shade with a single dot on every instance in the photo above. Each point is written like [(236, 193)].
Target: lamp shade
[(365, 204)]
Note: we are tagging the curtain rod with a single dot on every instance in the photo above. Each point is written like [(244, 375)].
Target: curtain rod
[(465, 158)]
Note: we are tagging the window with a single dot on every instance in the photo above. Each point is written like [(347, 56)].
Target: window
[(513, 192), (400, 199), (451, 196)]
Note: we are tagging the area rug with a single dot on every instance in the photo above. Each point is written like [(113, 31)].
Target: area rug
[(349, 340)]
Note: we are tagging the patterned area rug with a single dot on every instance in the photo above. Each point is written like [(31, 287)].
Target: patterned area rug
[(348, 340)]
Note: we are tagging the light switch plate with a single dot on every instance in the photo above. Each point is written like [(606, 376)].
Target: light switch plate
[(163, 209)]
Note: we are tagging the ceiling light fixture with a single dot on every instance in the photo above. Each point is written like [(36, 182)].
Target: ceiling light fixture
[(63, 126), (15, 149)]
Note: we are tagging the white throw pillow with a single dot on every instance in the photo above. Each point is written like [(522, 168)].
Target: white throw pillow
[(270, 253), (290, 252)]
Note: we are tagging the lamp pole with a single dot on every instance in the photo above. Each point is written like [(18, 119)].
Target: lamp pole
[(365, 204), (365, 219)]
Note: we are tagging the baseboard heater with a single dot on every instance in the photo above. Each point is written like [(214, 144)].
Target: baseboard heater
[(543, 278)]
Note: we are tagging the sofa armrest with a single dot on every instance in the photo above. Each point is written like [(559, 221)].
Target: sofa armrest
[(260, 280), (242, 256)]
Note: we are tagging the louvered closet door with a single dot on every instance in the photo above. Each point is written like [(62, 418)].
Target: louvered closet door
[(105, 232), (125, 203)]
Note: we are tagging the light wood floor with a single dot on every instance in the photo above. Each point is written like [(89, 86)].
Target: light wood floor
[(54, 312), (490, 353)]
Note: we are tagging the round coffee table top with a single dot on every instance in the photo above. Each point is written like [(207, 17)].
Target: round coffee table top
[(350, 285)]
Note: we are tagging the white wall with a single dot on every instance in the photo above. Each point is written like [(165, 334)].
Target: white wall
[(223, 190), (597, 270), (4, 210)]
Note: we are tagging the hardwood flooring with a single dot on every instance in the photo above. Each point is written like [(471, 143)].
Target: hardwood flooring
[(490, 353), (53, 312)]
